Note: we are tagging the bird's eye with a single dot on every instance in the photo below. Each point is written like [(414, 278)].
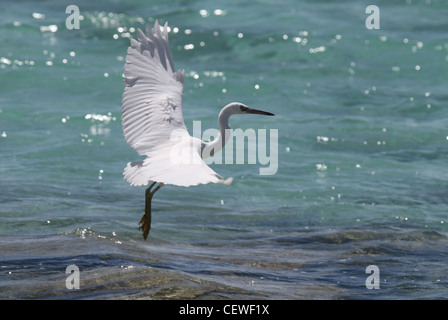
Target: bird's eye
[(243, 108)]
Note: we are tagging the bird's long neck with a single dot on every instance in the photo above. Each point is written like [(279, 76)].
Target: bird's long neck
[(210, 148)]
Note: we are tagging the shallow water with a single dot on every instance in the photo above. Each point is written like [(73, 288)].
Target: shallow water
[(362, 146)]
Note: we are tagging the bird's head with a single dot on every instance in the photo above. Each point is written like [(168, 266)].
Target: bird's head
[(239, 108)]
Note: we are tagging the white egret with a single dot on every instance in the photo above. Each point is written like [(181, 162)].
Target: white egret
[(152, 111)]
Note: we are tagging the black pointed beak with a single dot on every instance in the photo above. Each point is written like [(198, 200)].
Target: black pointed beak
[(255, 111)]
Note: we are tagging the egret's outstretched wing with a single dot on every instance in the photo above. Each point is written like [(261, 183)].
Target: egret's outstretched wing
[(152, 111), (152, 98)]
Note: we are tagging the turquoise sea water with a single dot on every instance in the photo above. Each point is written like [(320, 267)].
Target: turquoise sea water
[(362, 144)]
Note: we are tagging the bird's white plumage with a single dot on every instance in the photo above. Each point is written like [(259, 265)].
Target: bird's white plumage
[(183, 168), (152, 110), (152, 98)]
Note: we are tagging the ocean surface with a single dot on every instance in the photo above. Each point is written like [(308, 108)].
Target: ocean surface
[(362, 148)]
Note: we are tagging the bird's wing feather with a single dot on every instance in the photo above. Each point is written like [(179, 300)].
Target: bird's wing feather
[(152, 98), (152, 112), (179, 174), (178, 164)]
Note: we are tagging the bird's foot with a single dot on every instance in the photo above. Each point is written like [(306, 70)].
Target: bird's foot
[(145, 224)]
